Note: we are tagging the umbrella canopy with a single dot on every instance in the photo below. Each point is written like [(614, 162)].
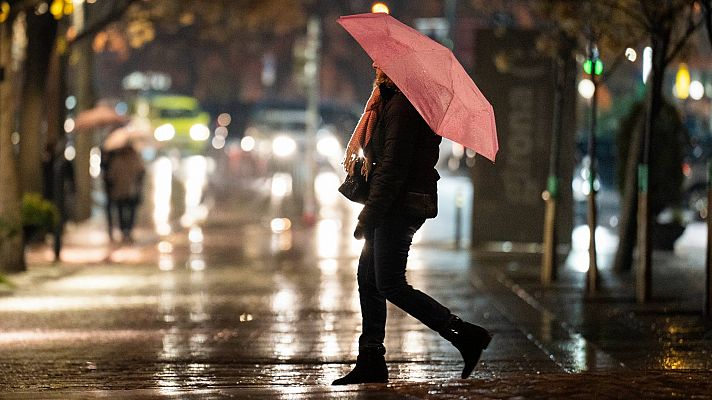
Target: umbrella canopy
[(430, 77), (125, 135), (98, 117)]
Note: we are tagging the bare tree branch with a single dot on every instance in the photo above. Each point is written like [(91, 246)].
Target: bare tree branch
[(707, 17), (640, 18), (691, 28)]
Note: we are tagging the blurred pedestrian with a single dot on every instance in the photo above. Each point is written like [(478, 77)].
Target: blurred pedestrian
[(401, 151), (106, 157), (125, 174)]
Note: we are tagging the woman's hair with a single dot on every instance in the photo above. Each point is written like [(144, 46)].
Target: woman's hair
[(383, 79)]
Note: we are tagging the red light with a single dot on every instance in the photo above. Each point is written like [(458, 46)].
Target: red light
[(686, 169)]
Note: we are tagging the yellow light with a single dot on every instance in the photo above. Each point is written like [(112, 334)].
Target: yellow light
[(380, 8), (4, 11), (68, 7), (57, 9), (682, 82)]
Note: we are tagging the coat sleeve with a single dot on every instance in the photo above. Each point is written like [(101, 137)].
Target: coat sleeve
[(392, 169)]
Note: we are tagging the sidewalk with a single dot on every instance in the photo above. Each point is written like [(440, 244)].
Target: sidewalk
[(84, 244), (652, 335), (667, 333)]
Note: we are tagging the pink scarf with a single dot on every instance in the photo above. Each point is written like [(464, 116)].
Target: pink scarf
[(362, 134)]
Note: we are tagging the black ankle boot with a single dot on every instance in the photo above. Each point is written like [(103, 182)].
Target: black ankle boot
[(370, 368), (470, 339)]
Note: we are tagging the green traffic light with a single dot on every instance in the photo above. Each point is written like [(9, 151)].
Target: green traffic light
[(598, 69)]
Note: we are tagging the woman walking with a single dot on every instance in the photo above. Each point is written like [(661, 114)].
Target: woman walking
[(401, 151), (125, 182)]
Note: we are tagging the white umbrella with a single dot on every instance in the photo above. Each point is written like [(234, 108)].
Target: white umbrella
[(120, 137), (98, 117)]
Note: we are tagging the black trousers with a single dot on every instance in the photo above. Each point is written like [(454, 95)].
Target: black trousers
[(381, 277), (127, 215)]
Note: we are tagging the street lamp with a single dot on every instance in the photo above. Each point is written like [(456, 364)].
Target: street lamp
[(4, 11), (380, 7), (682, 82)]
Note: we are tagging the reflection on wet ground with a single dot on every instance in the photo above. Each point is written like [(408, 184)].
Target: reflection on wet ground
[(238, 298)]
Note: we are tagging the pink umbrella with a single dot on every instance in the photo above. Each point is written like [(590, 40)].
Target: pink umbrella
[(430, 77)]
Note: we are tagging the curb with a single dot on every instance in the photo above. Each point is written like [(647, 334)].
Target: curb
[(554, 336)]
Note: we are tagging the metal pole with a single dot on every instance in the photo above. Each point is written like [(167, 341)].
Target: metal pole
[(450, 16), (644, 271), (708, 258), (592, 274), (549, 259), (459, 200), (311, 73)]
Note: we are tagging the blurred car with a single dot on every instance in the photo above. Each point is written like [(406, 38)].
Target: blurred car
[(607, 196), (275, 134), (177, 121), (694, 169)]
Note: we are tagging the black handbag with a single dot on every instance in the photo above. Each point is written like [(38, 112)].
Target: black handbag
[(356, 187)]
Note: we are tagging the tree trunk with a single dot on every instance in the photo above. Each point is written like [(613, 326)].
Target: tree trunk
[(84, 141), (12, 256), (41, 32), (629, 205), (629, 202)]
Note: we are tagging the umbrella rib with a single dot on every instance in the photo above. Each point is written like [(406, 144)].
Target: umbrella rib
[(452, 87)]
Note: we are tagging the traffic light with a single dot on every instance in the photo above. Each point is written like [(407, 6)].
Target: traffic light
[(597, 69)]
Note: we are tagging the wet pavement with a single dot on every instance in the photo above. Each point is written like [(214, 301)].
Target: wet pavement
[(237, 298)]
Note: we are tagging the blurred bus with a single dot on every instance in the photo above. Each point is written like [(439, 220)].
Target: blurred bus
[(176, 121)]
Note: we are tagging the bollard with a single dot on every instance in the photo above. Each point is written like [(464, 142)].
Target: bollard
[(459, 200), (592, 278), (549, 259), (644, 268), (311, 74)]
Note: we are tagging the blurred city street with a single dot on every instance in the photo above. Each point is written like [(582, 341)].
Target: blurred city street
[(241, 303), (171, 225)]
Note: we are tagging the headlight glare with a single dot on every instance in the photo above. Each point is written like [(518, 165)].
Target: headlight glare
[(329, 146), (199, 132), (247, 143), (164, 132), (283, 146)]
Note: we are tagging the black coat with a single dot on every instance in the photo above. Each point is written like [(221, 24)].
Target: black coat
[(405, 150)]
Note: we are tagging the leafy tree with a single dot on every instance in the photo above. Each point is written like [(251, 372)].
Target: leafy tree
[(215, 49), (210, 46)]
